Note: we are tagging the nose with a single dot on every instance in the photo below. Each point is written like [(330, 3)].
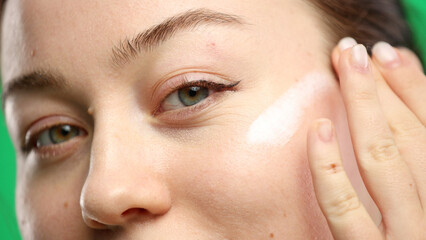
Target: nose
[(123, 183)]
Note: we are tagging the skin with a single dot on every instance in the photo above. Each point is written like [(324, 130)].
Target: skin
[(387, 122), (133, 174)]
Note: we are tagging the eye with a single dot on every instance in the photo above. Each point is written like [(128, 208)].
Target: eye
[(57, 135), (185, 97), (191, 93)]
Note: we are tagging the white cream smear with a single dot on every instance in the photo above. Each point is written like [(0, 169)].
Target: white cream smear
[(280, 121)]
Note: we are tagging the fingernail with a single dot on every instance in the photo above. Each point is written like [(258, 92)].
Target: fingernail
[(386, 54), (324, 130), (346, 43), (360, 56)]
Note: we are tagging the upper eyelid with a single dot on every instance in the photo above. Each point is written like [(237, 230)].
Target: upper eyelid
[(218, 87), (165, 88), (45, 124), (31, 144)]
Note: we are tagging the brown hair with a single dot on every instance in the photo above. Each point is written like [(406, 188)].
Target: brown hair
[(368, 21)]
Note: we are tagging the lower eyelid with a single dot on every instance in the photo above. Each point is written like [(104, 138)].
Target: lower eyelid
[(180, 116), (30, 144), (37, 127), (62, 150), (213, 87)]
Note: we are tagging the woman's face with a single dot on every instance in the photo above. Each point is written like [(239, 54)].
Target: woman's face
[(194, 129)]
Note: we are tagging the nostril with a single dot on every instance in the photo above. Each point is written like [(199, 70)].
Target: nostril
[(134, 211)]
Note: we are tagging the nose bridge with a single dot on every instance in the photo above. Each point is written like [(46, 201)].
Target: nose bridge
[(121, 177)]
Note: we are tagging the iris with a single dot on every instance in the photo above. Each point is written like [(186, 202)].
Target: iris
[(57, 135), (192, 95)]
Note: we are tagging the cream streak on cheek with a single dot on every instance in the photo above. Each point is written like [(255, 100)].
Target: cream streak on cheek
[(279, 122)]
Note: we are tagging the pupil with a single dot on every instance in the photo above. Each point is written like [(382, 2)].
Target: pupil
[(193, 91), (65, 130)]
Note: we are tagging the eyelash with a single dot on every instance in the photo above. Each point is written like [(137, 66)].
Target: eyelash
[(30, 142), (210, 85)]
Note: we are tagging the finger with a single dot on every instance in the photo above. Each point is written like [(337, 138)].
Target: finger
[(402, 72), (412, 56), (343, 44), (409, 133), (345, 214), (386, 175)]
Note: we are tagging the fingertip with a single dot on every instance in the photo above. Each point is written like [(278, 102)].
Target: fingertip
[(354, 60), (324, 129), (388, 57), (321, 132), (346, 43), (344, 46), (317, 123)]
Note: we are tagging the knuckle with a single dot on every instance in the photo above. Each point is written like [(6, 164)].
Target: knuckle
[(383, 150), (344, 204)]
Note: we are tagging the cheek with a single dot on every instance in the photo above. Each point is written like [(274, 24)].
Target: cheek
[(262, 181), (48, 203), (236, 185), (44, 212)]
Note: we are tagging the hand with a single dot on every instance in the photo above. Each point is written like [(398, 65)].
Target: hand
[(385, 100)]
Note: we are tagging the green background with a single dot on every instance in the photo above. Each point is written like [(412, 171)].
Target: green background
[(8, 226), (415, 11)]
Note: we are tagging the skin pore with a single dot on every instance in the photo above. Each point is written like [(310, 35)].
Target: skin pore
[(136, 171)]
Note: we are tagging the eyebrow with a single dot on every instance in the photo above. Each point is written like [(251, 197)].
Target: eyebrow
[(34, 81), (129, 48), (154, 36)]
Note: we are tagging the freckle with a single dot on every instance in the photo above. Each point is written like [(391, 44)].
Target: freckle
[(284, 214), (411, 184), (65, 204), (333, 167), (271, 235)]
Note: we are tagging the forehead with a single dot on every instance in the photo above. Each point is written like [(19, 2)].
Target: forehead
[(67, 34), (42, 33)]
